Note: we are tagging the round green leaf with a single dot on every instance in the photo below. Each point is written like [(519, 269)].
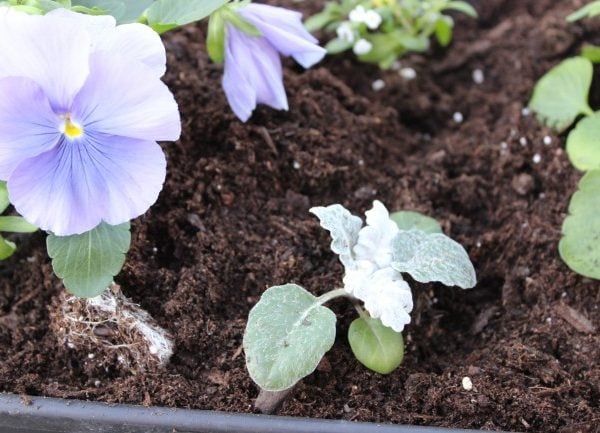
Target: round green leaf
[(88, 262), (583, 144), (562, 94), (376, 346), (410, 220), (580, 244), (288, 333)]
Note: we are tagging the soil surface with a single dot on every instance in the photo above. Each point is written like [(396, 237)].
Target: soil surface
[(233, 220)]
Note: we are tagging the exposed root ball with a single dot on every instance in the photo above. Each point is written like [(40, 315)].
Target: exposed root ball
[(112, 329)]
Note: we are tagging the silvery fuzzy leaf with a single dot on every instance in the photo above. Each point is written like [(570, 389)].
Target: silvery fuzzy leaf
[(431, 257), (344, 228)]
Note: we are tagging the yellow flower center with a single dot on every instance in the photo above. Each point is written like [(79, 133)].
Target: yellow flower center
[(71, 129)]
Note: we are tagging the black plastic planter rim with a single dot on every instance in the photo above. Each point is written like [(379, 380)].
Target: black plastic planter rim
[(20, 414)]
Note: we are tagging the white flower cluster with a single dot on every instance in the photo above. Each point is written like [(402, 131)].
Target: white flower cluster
[(347, 32), (372, 279)]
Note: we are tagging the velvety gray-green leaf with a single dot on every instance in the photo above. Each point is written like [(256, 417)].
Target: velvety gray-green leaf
[(88, 262), (580, 244), (344, 228), (376, 346), (411, 220), (432, 257), (288, 333), (562, 94), (583, 143)]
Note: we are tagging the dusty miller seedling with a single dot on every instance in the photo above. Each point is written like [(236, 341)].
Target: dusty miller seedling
[(290, 329), (380, 31), (559, 99)]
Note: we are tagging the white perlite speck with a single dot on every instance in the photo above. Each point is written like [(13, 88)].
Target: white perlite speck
[(458, 117), (296, 165), (537, 158), (408, 73), (523, 141), (525, 111), (467, 383), (378, 85), (547, 140), (478, 77)]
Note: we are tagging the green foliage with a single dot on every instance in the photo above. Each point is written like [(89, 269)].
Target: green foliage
[(376, 346), (287, 334), (580, 244), (406, 26), (588, 11), (431, 257), (410, 220), (12, 224), (88, 262), (562, 94), (583, 143), (166, 15), (591, 52)]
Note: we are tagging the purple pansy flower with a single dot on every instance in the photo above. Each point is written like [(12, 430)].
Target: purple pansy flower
[(81, 109), (253, 73)]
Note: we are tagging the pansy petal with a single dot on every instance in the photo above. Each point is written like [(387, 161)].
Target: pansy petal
[(48, 50), (259, 62), (124, 97), (140, 42), (239, 91), (284, 30), (28, 126), (80, 183)]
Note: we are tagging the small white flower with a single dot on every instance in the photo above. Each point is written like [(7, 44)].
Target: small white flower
[(358, 14), (362, 47), (345, 32), (372, 20)]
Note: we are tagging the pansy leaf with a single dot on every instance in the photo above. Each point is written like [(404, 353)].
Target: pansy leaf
[(562, 94), (580, 244), (583, 143), (116, 8), (410, 220), (165, 15), (344, 228), (16, 224), (88, 262), (288, 333), (376, 346), (7, 248), (431, 257)]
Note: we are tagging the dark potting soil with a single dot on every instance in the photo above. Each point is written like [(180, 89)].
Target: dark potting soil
[(233, 219)]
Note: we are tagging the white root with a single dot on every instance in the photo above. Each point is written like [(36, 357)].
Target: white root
[(114, 328)]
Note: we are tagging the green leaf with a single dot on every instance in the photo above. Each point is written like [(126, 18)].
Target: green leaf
[(318, 21), (463, 7), (288, 333), (562, 94), (7, 248), (583, 143), (4, 201), (443, 31), (215, 41), (116, 8), (16, 224), (591, 52), (410, 220), (337, 45), (432, 257), (88, 262), (588, 11), (580, 244), (165, 15), (376, 346), (344, 228)]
